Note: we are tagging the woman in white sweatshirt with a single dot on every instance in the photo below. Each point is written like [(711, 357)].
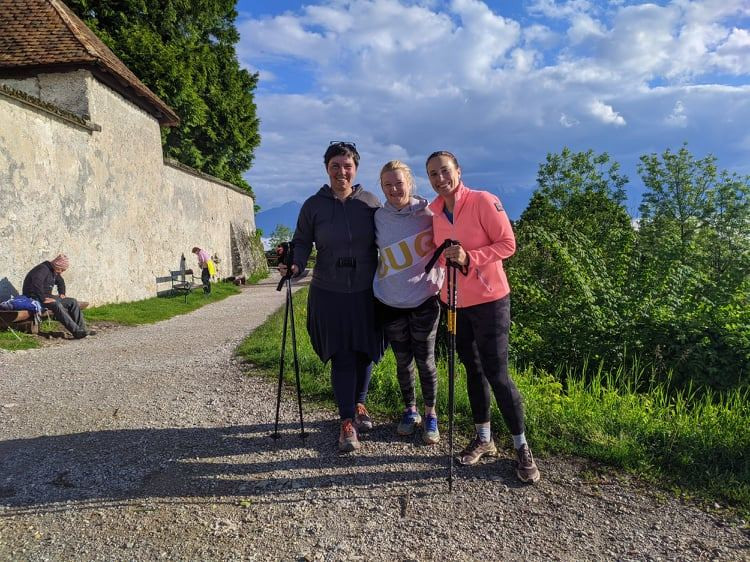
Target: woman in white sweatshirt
[(409, 305)]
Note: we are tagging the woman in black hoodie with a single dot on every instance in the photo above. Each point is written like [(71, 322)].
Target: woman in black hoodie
[(339, 220)]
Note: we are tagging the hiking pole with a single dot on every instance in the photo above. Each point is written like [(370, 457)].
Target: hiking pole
[(451, 325), (286, 256), (451, 287)]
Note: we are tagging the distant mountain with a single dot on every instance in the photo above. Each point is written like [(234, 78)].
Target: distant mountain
[(286, 214)]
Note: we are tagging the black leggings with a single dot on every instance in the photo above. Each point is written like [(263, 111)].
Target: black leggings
[(350, 379), (482, 345)]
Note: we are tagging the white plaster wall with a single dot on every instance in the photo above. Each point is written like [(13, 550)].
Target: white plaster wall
[(208, 213), (67, 90), (104, 198)]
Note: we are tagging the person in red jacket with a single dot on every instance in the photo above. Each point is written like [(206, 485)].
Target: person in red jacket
[(480, 225)]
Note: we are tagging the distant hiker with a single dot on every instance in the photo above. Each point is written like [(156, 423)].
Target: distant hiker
[(207, 268), (409, 306), (480, 225), (38, 285), (338, 219)]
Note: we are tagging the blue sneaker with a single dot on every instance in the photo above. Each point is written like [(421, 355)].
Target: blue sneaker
[(409, 422), (430, 433)]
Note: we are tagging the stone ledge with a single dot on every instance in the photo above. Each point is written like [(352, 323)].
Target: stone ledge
[(48, 108)]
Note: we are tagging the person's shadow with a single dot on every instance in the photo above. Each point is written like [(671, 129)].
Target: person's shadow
[(118, 465)]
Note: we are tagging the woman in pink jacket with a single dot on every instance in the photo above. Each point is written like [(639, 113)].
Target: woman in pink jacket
[(478, 222)]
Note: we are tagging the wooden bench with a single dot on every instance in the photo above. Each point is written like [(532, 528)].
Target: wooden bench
[(181, 283), (23, 321)]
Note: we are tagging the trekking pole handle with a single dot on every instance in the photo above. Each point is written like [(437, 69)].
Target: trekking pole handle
[(285, 251), (439, 250)]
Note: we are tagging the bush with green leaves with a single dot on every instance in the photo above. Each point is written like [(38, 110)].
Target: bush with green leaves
[(672, 291)]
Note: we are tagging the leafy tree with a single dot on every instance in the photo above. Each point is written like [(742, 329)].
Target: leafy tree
[(688, 293), (727, 241), (673, 294), (280, 234), (183, 50), (674, 205), (574, 246)]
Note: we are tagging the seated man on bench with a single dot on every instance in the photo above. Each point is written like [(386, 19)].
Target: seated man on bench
[(38, 285)]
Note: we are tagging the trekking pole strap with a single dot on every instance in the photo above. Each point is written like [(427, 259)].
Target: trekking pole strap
[(447, 243)]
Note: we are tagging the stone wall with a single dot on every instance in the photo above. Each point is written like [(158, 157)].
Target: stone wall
[(94, 185)]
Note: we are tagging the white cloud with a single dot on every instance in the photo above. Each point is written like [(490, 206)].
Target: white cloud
[(568, 122), (558, 10), (605, 113), (584, 27), (540, 35), (733, 55), (404, 78), (679, 41), (677, 118), (282, 36)]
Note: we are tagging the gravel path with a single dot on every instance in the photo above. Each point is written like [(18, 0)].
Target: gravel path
[(149, 442)]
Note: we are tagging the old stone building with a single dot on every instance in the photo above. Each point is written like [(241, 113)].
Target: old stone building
[(82, 169)]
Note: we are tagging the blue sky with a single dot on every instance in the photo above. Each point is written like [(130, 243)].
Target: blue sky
[(498, 83)]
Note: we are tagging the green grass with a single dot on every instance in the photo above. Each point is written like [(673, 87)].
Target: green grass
[(145, 311), (11, 342), (695, 446), (157, 309)]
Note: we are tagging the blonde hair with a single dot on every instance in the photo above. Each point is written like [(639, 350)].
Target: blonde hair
[(395, 165)]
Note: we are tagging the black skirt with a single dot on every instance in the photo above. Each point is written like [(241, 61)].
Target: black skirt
[(343, 322)]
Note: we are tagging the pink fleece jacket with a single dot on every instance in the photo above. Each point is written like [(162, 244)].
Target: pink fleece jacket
[(482, 227)]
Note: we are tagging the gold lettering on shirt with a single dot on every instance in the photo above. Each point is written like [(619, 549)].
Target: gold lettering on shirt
[(405, 253)]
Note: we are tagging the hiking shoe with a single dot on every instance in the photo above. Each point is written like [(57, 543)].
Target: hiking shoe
[(80, 334), (430, 433), (526, 469), (348, 440), (362, 419), (409, 422), (476, 450)]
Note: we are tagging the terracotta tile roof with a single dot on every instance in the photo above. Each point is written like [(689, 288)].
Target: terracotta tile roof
[(46, 34)]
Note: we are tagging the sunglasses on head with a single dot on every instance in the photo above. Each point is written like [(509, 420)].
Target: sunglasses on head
[(345, 144)]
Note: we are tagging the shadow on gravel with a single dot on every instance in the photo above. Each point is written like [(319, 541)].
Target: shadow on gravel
[(179, 463)]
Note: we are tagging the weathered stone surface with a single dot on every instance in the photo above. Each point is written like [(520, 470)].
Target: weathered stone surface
[(106, 198)]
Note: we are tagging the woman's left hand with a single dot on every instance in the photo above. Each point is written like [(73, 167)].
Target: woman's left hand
[(456, 254)]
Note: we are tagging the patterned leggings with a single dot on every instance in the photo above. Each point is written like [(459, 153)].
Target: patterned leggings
[(411, 332)]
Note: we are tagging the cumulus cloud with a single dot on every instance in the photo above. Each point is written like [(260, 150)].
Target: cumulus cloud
[(733, 55), (405, 77), (583, 27), (605, 113)]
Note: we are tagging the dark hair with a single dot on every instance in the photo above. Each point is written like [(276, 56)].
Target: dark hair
[(442, 153), (341, 148)]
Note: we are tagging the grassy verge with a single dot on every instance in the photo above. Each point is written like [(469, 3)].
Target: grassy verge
[(695, 446), (156, 309), (11, 342), (145, 311)]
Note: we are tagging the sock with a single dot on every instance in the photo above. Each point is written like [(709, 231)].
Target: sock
[(519, 440), (483, 431)]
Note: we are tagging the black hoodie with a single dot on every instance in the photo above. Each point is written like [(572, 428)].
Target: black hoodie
[(344, 235), (40, 280)]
